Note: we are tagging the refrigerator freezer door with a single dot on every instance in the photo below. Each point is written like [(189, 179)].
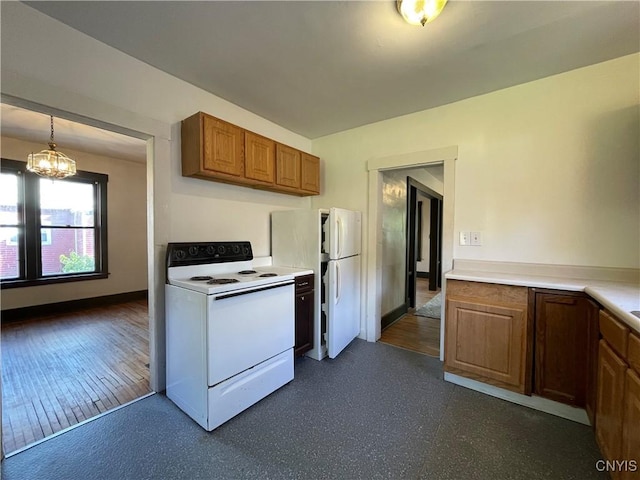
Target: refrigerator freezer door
[(345, 233), (343, 319)]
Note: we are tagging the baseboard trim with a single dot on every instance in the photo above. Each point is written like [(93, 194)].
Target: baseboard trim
[(393, 315), (422, 274), (17, 314), (578, 415)]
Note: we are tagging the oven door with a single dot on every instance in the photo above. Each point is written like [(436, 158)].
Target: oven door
[(248, 327)]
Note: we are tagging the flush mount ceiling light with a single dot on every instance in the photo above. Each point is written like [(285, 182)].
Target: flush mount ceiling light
[(51, 163), (420, 12)]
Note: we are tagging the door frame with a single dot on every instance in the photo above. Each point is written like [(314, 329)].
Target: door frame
[(375, 167), (82, 109), (413, 231)]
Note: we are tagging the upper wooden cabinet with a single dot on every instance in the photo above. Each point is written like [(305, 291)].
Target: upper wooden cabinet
[(310, 173), (213, 149), (287, 166), (259, 157)]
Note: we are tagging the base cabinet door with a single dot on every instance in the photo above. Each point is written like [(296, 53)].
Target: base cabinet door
[(305, 300), (562, 347), (487, 342), (610, 402), (631, 428)]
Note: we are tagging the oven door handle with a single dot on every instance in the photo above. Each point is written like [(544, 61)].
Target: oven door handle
[(254, 290)]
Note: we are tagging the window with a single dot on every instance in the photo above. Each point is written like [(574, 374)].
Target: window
[(51, 230)]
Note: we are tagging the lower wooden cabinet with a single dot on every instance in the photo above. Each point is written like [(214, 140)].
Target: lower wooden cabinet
[(304, 308), (486, 333), (563, 325), (631, 426), (610, 402)]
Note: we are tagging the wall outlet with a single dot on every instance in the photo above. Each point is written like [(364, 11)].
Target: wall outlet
[(465, 238), (476, 238)]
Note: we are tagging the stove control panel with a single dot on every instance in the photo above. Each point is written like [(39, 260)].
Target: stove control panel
[(199, 253)]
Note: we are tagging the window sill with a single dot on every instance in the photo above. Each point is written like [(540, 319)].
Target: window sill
[(6, 284)]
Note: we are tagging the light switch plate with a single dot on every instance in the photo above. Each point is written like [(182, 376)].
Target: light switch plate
[(465, 238), (476, 238)]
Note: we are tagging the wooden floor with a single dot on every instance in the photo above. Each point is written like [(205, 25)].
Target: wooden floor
[(60, 370), (420, 334)]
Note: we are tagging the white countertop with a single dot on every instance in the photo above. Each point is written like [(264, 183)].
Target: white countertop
[(620, 298)]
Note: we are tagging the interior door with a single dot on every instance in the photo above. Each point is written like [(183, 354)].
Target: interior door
[(345, 233), (435, 248), (343, 287)]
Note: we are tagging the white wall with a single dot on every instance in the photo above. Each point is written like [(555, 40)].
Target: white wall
[(548, 170), (99, 85), (126, 88), (126, 227)]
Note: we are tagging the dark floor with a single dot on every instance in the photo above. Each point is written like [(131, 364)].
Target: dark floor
[(374, 412)]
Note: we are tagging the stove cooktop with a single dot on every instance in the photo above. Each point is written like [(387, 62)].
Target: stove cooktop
[(218, 267)]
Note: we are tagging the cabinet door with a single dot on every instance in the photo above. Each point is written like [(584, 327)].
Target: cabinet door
[(609, 402), (487, 342), (631, 427), (259, 158), (310, 173), (592, 363), (222, 147), (304, 322), (561, 348), (287, 166)]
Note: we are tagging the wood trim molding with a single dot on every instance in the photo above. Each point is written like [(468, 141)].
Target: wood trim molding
[(17, 314), (393, 315)]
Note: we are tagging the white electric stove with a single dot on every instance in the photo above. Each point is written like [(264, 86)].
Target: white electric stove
[(230, 329)]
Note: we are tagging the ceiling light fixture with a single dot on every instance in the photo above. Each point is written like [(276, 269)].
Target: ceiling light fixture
[(50, 163), (420, 12)]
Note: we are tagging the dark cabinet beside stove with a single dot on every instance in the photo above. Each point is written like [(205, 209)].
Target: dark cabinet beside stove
[(305, 300)]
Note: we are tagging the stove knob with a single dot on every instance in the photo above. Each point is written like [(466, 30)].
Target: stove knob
[(180, 254), (236, 249), (211, 250), (245, 250), (193, 251), (221, 249)]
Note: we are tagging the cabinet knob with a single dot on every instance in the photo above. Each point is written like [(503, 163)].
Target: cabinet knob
[(302, 297)]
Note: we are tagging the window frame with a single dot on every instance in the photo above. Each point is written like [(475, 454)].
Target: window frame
[(30, 233)]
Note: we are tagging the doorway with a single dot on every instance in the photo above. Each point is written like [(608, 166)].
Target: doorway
[(445, 156), (424, 238), (76, 350)]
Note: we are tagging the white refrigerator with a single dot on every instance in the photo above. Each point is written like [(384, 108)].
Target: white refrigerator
[(329, 242)]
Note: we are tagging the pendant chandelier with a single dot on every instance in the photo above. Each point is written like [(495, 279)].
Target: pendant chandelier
[(420, 12), (51, 163)]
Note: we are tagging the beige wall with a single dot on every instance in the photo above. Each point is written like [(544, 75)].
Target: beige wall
[(126, 223), (548, 170)]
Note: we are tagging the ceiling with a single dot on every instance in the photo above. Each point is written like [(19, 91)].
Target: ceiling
[(318, 68), (36, 127)]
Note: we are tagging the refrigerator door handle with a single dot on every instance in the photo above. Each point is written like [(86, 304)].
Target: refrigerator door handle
[(339, 237), (337, 282)]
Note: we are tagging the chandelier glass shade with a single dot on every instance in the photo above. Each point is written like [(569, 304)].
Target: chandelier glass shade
[(51, 163), (420, 12)]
